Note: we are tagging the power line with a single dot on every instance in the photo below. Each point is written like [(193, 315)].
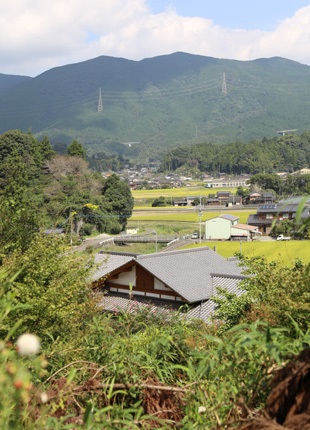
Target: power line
[(152, 94)]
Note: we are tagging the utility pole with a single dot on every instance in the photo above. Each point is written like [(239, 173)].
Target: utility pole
[(71, 227), (199, 215), (155, 233), (100, 101), (224, 86)]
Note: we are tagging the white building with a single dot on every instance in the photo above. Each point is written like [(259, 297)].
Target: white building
[(227, 227)]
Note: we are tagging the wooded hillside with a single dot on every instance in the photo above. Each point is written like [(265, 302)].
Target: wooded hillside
[(287, 153), (160, 102)]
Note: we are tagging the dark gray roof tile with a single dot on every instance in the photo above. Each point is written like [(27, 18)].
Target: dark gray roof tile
[(187, 272)]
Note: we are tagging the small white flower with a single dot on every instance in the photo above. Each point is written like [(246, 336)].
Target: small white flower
[(28, 344), (201, 409), (44, 397)]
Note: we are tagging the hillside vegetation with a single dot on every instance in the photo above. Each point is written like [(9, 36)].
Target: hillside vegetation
[(160, 102), (287, 153)]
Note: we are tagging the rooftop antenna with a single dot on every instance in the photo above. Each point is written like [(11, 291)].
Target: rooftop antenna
[(224, 87), (100, 101)]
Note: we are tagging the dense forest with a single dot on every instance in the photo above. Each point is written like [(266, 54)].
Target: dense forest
[(287, 153)]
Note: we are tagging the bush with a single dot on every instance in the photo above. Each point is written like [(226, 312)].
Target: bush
[(160, 202), (86, 230)]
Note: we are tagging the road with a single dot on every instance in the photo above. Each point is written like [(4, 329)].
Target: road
[(92, 242)]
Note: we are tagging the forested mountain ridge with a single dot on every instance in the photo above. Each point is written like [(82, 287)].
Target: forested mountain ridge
[(160, 102), (285, 153)]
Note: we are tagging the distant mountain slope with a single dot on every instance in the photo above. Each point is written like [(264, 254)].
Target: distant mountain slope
[(160, 102), (9, 81)]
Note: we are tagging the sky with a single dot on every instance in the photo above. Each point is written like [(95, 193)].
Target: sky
[(37, 35)]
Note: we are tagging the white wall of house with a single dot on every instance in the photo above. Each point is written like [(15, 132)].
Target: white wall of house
[(158, 285), (217, 228), (126, 278)]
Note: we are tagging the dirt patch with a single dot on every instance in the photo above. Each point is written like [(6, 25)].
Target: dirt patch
[(288, 405)]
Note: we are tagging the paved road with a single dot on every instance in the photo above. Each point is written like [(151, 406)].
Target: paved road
[(266, 239), (93, 242)]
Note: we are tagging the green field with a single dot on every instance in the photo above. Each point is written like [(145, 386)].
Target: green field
[(175, 193), (182, 215), (285, 252)]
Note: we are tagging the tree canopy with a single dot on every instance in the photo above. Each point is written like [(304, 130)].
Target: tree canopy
[(41, 189), (286, 153), (76, 149)]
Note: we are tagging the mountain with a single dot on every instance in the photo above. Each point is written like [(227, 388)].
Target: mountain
[(160, 102), (9, 81)]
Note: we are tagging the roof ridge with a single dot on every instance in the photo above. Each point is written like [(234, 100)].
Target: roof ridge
[(223, 275), (178, 251)]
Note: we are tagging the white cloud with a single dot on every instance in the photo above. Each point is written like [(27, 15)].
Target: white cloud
[(291, 39), (37, 35)]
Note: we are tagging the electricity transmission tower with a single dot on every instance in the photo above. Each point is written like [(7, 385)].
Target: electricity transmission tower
[(224, 87), (100, 101)]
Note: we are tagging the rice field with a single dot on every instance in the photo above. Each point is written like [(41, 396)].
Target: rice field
[(284, 252), (189, 215), (147, 196)]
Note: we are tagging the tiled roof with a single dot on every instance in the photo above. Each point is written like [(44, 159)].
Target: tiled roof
[(204, 310), (187, 272), (107, 263), (253, 219)]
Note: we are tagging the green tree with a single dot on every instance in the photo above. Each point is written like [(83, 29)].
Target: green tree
[(118, 201), (267, 181), (272, 292), (54, 287), (18, 142), (160, 201), (19, 223), (46, 148), (241, 191), (76, 149)]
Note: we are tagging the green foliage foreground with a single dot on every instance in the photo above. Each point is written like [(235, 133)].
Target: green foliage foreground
[(126, 370)]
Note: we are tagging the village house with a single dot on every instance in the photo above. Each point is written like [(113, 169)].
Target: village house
[(169, 279), (268, 214), (225, 198), (227, 227), (259, 198)]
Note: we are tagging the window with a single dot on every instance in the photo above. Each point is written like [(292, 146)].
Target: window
[(269, 216)]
